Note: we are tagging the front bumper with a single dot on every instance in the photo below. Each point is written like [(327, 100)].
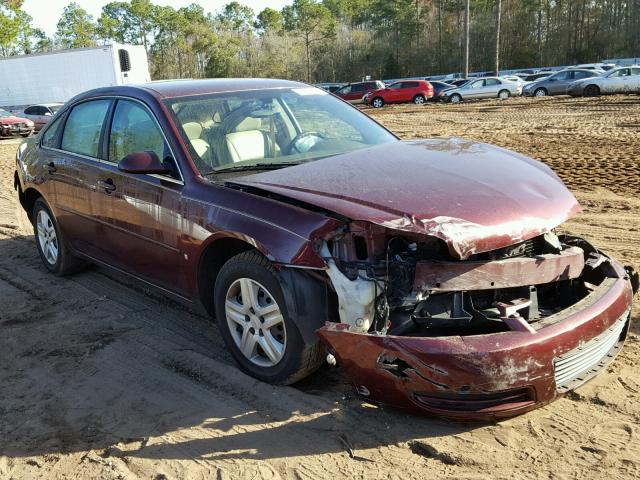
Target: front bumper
[(12, 130), (489, 376)]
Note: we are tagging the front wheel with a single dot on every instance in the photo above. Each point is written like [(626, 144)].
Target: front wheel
[(504, 94), (255, 324), (541, 92), (53, 251), (591, 91), (377, 102), (419, 100)]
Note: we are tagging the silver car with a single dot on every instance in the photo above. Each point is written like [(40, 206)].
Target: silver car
[(40, 114), (618, 80), (558, 83), (487, 87)]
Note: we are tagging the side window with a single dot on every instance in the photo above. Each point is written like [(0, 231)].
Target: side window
[(561, 76), (477, 84), (358, 88), (635, 71), (50, 134), (491, 81), (134, 130), (345, 90), (82, 131), (395, 86), (31, 111)]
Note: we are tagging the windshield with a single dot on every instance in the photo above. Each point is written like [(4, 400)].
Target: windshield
[(271, 128), (4, 113)]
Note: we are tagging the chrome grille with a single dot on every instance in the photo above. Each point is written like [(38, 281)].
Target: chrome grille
[(580, 364)]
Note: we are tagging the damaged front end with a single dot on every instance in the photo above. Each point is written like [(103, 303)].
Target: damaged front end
[(491, 335)]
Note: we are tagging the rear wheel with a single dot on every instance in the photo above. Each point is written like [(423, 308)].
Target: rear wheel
[(541, 92), (419, 100), (377, 102), (504, 94), (592, 91), (255, 324), (53, 251), (455, 98)]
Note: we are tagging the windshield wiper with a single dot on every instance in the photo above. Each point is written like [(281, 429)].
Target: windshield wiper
[(256, 166)]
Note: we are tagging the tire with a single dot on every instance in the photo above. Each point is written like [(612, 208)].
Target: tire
[(504, 94), (419, 100), (377, 102), (285, 358), (455, 98), (52, 249), (26, 135), (591, 91), (540, 92)]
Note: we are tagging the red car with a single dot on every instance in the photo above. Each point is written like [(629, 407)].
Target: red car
[(429, 270), (10, 125), (354, 92), (405, 91)]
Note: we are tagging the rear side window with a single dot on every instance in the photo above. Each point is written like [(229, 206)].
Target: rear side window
[(492, 81), (82, 130), (134, 130), (51, 133), (359, 87)]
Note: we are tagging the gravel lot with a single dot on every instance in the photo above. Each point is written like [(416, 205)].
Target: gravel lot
[(102, 378)]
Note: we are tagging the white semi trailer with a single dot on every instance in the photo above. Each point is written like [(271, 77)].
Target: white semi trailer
[(58, 76)]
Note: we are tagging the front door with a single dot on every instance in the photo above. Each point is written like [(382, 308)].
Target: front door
[(141, 211)]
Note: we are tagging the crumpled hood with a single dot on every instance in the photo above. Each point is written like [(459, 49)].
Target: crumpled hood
[(473, 196)]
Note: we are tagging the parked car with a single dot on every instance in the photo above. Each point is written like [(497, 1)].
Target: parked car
[(354, 92), (515, 79), (330, 87), (416, 91), (489, 87), (438, 88), (428, 269), (40, 114), (557, 83), (11, 125), (619, 80)]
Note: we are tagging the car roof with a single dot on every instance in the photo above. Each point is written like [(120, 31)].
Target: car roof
[(180, 88)]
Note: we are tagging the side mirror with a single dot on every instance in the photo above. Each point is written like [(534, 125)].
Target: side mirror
[(142, 162)]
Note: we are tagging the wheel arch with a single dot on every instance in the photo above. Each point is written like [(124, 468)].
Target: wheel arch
[(27, 197)]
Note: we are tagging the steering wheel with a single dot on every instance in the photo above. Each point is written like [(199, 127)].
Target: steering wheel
[(303, 142)]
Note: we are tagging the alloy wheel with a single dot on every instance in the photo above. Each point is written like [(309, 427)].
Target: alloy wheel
[(47, 237), (540, 93), (419, 100), (255, 322), (377, 103)]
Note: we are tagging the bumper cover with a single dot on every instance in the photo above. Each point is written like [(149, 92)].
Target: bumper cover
[(488, 376)]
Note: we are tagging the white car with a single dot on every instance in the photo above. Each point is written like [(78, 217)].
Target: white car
[(618, 80), (40, 114), (488, 87)]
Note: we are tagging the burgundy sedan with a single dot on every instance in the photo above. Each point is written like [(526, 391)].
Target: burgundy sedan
[(429, 270)]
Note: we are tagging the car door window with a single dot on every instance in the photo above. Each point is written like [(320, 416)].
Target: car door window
[(395, 86), (477, 84), (134, 130), (491, 82), (616, 73), (50, 136), (635, 71), (581, 75), (561, 76), (358, 88), (82, 131), (31, 111), (345, 90)]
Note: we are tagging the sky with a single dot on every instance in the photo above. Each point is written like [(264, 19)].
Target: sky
[(46, 13)]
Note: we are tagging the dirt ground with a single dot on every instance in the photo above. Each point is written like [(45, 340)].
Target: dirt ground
[(101, 378)]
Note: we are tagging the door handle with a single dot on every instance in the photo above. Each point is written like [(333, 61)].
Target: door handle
[(51, 167), (107, 185)]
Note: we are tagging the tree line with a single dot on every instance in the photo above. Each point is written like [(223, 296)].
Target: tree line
[(343, 40)]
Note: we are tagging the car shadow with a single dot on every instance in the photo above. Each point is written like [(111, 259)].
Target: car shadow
[(99, 361)]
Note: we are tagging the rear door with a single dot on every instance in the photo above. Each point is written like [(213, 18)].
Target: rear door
[(491, 87), (73, 162), (141, 211)]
